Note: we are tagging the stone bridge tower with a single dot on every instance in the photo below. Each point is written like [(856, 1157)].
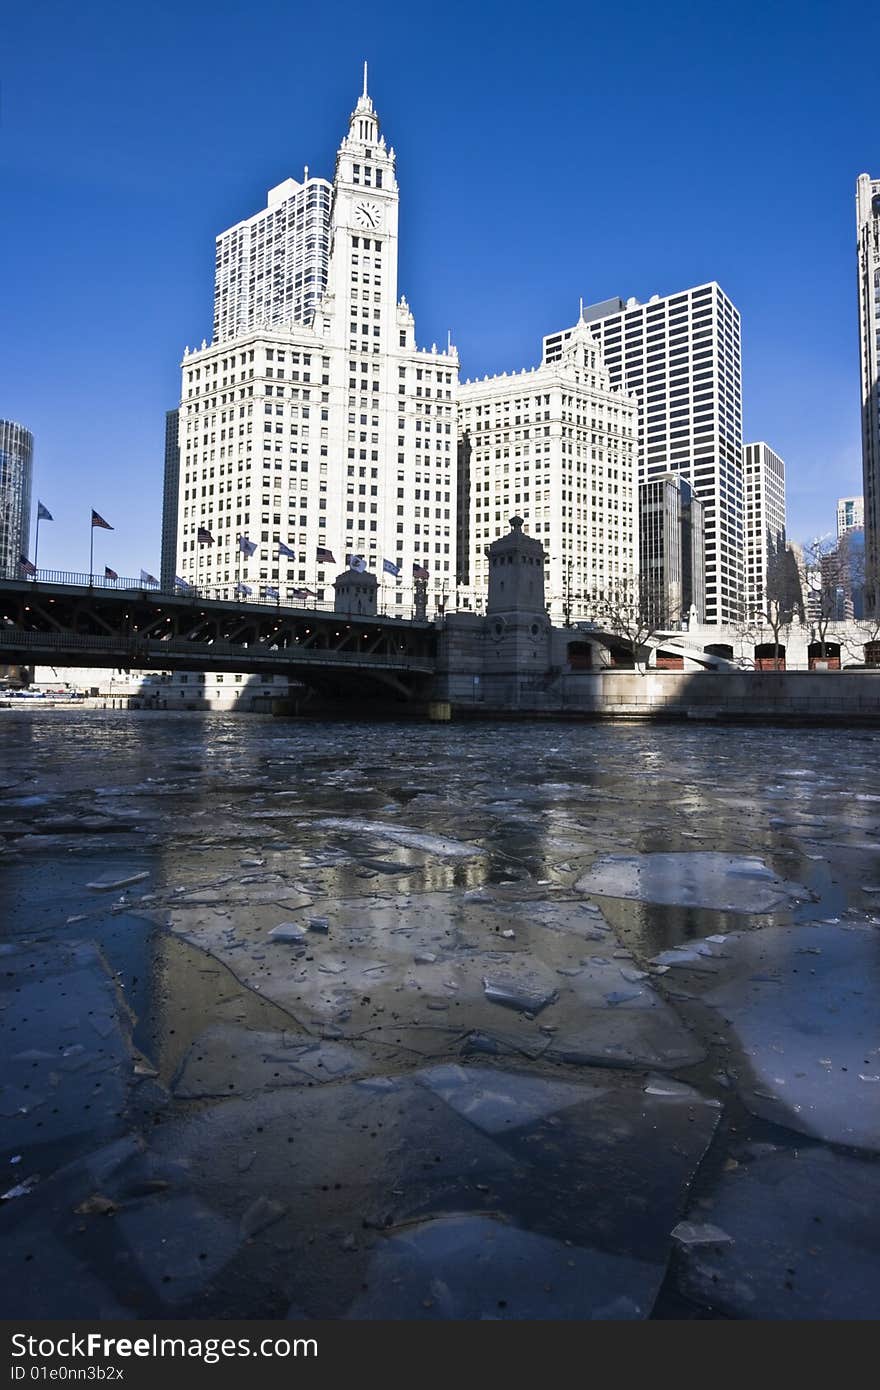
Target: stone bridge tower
[(517, 627)]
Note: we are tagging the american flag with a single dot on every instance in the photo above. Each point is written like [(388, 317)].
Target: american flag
[(419, 572), (205, 537), (325, 556), (109, 573), (98, 520), (26, 565)]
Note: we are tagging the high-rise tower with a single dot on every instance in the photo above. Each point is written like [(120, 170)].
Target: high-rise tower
[(16, 463), (315, 427), (764, 477), (868, 222), (679, 354)]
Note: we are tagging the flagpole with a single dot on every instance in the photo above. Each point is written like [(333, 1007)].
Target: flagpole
[(91, 554), (37, 538)]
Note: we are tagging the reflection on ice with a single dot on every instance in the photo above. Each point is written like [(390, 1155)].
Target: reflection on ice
[(385, 1043)]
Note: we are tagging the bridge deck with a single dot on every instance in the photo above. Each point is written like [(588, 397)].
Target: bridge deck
[(78, 625)]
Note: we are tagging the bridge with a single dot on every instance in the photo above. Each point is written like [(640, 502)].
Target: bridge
[(68, 621)]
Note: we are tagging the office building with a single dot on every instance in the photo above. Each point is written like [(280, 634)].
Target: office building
[(170, 493), (312, 427), (680, 356), (868, 226), (16, 469), (764, 480), (672, 583), (555, 445), (272, 270), (850, 515)]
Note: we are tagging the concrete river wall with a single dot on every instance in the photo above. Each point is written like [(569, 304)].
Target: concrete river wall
[(760, 696)]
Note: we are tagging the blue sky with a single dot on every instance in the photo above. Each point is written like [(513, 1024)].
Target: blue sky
[(544, 153)]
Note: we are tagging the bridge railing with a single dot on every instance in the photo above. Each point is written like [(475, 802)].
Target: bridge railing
[(289, 595), (181, 646)]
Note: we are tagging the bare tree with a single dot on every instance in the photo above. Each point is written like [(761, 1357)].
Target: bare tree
[(634, 610), (783, 598), (822, 561), (865, 577)]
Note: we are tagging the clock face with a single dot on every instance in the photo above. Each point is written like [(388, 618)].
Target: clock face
[(367, 214)]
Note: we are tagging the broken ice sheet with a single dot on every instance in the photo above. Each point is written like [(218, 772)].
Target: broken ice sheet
[(586, 1180), (52, 1086), (177, 1244), (226, 1061), (698, 878), (477, 1267), (804, 1031), (813, 1216), (496, 1101)]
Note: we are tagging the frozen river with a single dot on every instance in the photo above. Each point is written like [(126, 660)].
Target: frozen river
[(376, 1020)]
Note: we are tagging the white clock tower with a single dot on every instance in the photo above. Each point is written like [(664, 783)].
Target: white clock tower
[(363, 263), (320, 430)]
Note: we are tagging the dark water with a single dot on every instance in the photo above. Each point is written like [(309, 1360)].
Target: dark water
[(539, 994)]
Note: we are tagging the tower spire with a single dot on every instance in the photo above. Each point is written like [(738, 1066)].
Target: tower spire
[(365, 78)]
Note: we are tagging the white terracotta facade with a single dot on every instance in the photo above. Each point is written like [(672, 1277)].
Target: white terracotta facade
[(556, 445), (335, 433)]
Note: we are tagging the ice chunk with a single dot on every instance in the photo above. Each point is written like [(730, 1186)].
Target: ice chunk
[(106, 885), (623, 996), (691, 1233), (21, 1189), (398, 834), (697, 878), (288, 931), (514, 994)]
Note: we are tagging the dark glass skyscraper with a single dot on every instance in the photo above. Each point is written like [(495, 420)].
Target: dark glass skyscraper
[(16, 468)]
